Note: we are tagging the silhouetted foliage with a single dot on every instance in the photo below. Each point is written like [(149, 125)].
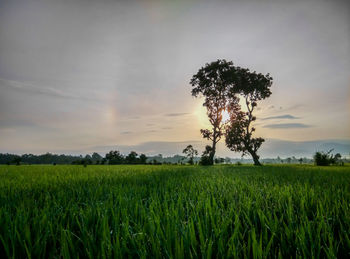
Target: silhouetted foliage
[(17, 160), (143, 159), (326, 158), (114, 157), (190, 153), (214, 83), (252, 87), (47, 158), (205, 158), (132, 158), (96, 158), (219, 160)]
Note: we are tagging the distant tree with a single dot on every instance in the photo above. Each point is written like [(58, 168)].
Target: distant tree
[(251, 87), (96, 157), (103, 161), (214, 82), (289, 160), (326, 158), (219, 160), (300, 160), (114, 157), (131, 158), (143, 159), (205, 158), (190, 153), (279, 159), (17, 160)]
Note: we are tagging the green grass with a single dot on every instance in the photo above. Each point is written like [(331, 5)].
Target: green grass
[(174, 211)]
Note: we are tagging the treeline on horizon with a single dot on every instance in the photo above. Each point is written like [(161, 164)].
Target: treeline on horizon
[(115, 157)]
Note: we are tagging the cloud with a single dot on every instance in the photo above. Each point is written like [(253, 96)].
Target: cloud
[(287, 126), (285, 116), (176, 114), (48, 91), (126, 132), (15, 123), (167, 128)]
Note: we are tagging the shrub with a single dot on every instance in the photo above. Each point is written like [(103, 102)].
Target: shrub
[(326, 158)]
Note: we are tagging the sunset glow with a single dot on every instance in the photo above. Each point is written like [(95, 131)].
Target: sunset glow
[(75, 77)]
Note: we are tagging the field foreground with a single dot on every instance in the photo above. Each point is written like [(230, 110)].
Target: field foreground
[(174, 211)]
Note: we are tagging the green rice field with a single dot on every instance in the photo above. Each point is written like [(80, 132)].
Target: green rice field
[(273, 211)]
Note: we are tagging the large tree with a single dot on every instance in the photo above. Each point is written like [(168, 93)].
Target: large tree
[(214, 83), (251, 87)]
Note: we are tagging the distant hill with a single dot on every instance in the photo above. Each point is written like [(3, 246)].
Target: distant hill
[(283, 148), (271, 148)]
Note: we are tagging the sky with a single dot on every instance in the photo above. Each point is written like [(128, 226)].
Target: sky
[(79, 76)]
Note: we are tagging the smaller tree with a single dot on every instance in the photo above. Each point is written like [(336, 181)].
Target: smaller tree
[(190, 153), (205, 158), (17, 160), (96, 157), (131, 158), (219, 160), (143, 159), (114, 157), (326, 158), (252, 87)]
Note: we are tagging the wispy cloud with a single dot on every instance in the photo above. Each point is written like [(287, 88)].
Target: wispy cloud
[(286, 126), (176, 114), (14, 123), (48, 91), (126, 132), (285, 116)]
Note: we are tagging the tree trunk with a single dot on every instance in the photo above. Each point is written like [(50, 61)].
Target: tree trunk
[(212, 153), (255, 157)]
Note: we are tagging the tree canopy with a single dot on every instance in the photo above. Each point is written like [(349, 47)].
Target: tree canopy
[(222, 85), (214, 83)]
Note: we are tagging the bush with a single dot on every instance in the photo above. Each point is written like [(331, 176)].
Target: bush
[(326, 159), (205, 160)]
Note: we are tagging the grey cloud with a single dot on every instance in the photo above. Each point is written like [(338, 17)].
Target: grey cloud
[(132, 57), (285, 116), (126, 132), (176, 114), (286, 126), (47, 91), (9, 123)]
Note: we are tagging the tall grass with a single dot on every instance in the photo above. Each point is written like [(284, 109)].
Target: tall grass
[(174, 211)]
